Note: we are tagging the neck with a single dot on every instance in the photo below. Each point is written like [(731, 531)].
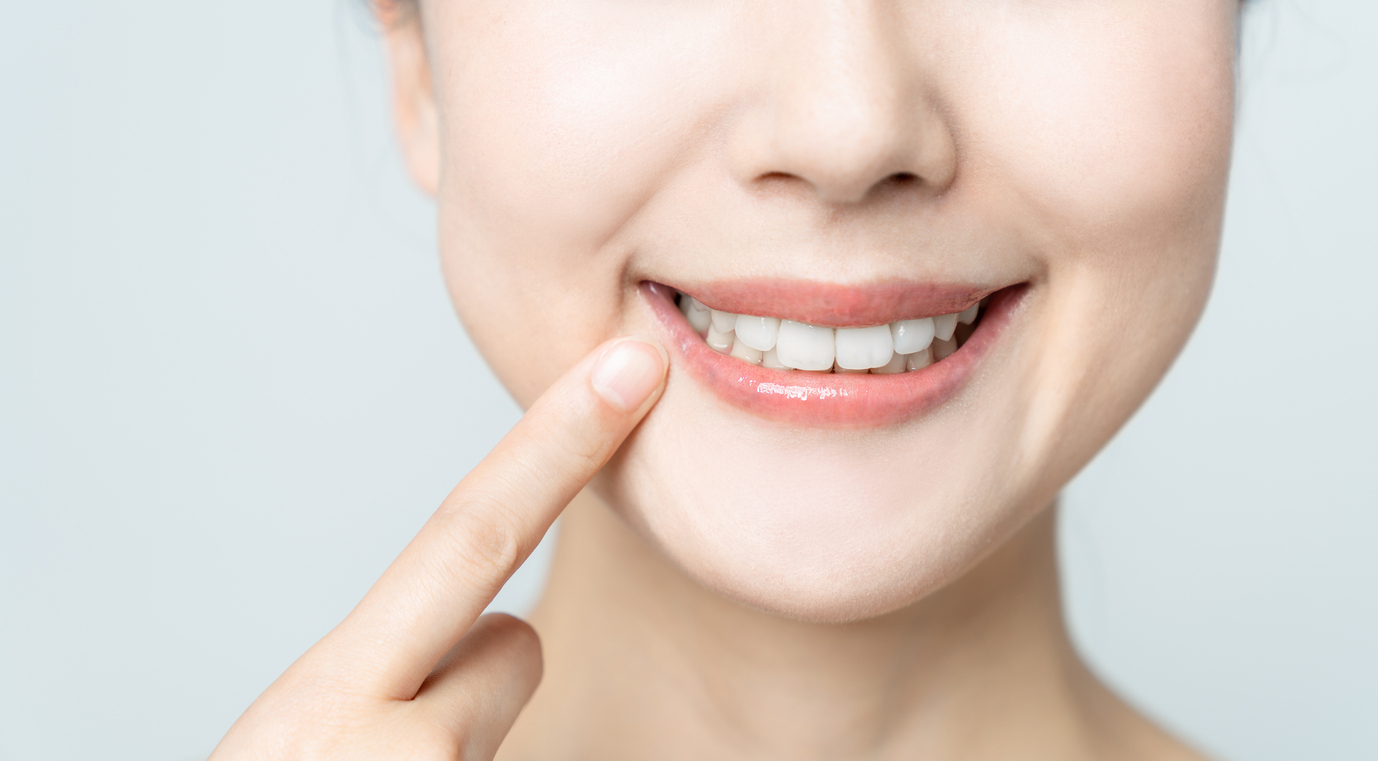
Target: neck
[(643, 662)]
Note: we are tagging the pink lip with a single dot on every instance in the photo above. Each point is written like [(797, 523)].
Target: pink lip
[(825, 399), (838, 306)]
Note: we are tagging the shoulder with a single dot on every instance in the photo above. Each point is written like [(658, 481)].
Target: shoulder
[(1120, 731)]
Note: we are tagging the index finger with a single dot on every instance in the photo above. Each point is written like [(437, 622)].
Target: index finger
[(488, 525)]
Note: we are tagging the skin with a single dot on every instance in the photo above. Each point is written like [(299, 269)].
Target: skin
[(730, 587)]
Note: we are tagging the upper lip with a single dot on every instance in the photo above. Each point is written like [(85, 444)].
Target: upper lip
[(834, 305)]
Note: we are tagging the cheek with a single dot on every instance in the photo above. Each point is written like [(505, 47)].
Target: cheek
[(563, 122), (1110, 136), (558, 124), (1113, 124)]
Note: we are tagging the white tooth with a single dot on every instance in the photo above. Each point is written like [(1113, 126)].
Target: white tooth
[(700, 322), (912, 335), (944, 349), (696, 313), (840, 369), (758, 332), (968, 315), (919, 360), (864, 348), (724, 322), (771, 359), (745, 353), (805, 347), (944, 325), (895, 365), (719, 342)]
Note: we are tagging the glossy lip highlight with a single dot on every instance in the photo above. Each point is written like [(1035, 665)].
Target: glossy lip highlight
[(830, 399)]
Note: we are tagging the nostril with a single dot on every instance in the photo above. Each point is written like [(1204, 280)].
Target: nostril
[(785, 179), (777, 177)]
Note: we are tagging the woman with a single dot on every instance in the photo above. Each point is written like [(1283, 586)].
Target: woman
[(886, 275)]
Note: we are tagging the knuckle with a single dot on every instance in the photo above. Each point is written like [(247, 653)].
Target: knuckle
[(573, 442), (520, 635), (433, 742), (581, 453), (519, 646), (490, 540)]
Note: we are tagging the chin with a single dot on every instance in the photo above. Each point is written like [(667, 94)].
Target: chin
[(812, 529)]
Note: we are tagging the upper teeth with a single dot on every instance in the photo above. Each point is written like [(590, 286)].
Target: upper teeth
[(773, 342), (864, 348), (758, 332), (805, 347), (912, 335)]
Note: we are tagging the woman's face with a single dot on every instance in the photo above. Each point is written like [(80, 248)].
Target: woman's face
[(840, 164)]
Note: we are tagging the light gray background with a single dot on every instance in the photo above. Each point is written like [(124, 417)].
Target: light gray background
[(231, 388)]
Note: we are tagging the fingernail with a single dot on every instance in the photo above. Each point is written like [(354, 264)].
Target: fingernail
[(628, 372)]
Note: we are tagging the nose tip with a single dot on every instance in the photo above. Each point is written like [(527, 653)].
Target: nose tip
[(879, 153), (847, 116)]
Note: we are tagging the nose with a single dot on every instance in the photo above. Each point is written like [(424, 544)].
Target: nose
[(845, 108)]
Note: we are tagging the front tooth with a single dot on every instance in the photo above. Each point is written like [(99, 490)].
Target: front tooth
[(895, 365), (804, 347), (944, 349), (718, 341), (771, 359), (944, 325), (724, 322), (840, 369), (743, 352), (758, 332), (864, 348), (968, 315), (919, 360), (912, 335)]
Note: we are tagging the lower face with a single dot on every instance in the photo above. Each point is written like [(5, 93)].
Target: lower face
[(777, 192)]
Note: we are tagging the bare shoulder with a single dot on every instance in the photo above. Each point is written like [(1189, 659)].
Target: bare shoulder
[(1120, 731)]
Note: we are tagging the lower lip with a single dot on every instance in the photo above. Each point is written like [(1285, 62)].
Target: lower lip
[(837, 400)]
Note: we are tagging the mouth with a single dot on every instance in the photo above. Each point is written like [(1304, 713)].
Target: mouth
[(833, 356)]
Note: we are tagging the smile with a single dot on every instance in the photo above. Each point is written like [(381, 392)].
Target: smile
[(817, 354), (896, 347)]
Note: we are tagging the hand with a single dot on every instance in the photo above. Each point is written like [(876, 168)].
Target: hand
[(413, 671)]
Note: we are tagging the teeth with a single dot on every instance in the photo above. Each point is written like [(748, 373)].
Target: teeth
[(944, 325), (805, 347), (895, 365), (864, 348), (912, 335), (699, 318), (718, 341), (919, 360), (724, 322), (743, 352), (897, 347), (758, 332)]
